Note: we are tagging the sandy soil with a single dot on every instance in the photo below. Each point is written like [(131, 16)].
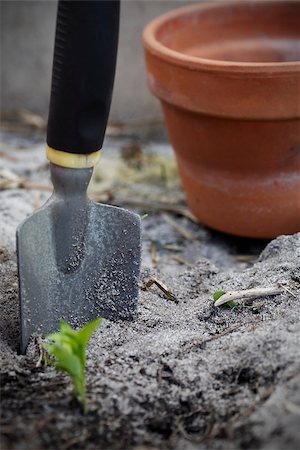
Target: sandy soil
[(185, 374)]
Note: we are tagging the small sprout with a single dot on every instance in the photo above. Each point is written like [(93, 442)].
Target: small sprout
[(244, 294), (218, 294), (67, 348), (144, 216), (230, 304)]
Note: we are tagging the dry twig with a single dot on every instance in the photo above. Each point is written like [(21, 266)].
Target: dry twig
[(10, 180), (180, 229), (41, 351), (168, 293), (248, 293), (174, 248), (182, 261), (30, 119), (287, 289), (245, 258), (148, 205), (5, 155)]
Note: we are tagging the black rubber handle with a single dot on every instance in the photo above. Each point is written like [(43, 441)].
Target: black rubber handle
[(84, 63)]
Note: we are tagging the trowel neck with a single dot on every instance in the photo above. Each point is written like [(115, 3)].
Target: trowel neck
[(70, 182)]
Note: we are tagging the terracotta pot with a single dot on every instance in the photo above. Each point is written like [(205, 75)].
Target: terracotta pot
[(228, 77)]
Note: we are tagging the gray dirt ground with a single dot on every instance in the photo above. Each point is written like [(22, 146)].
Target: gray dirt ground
[(185, 374)]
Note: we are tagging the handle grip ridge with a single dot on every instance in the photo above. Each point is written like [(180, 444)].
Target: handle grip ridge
[(85, 52)]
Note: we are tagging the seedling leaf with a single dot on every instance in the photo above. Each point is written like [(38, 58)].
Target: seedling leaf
[(85, 333), (65, 327), (218, 294), (230, 304), (68, 348)]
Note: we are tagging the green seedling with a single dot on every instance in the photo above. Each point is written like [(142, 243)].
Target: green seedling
[(144, 216), (234, 305), (231, 304), (67, 350)]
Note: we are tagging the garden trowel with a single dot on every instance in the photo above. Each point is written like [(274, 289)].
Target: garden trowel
[(78, 260)]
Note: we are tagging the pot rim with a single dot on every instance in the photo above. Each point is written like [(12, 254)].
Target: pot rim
[(153, 45)]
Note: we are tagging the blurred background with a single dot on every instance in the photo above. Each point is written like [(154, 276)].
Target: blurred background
[(27, 39), (137, 170)]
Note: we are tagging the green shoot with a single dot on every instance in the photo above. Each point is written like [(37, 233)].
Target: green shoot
[(231, 304), (217, 295), (68, 349), (144, 216)]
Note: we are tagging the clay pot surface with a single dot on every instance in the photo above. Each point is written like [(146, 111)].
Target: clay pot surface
[(228, 77)]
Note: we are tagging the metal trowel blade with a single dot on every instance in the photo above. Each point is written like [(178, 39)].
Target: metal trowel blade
[(77, 260)]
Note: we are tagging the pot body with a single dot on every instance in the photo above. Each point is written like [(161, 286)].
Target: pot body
[(234, 125)]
